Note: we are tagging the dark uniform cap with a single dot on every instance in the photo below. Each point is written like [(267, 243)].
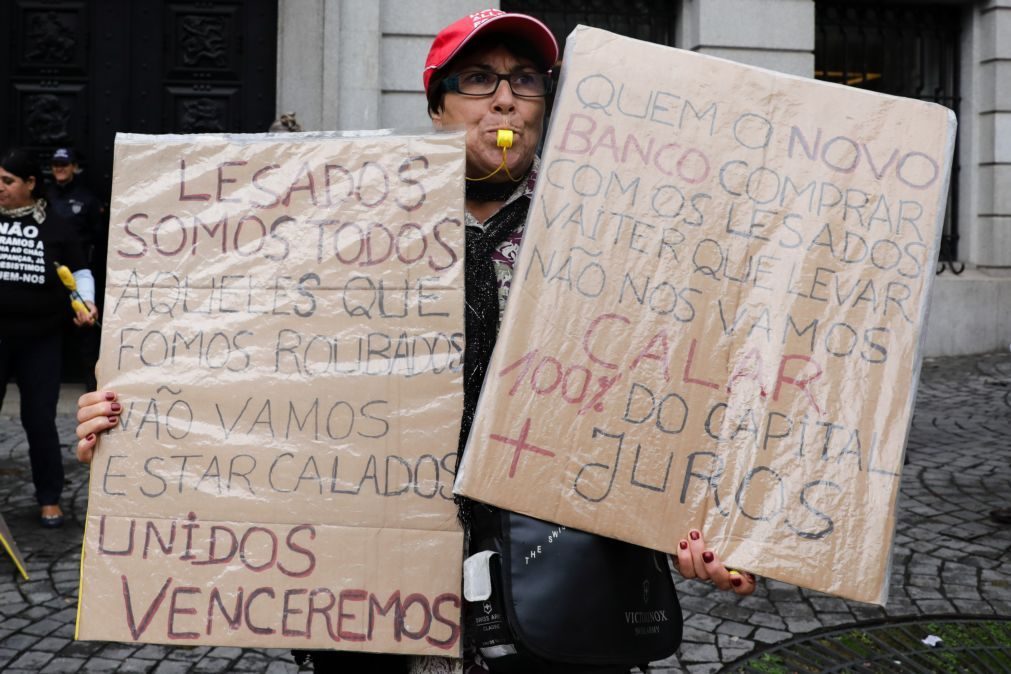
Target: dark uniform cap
[(63, 155)]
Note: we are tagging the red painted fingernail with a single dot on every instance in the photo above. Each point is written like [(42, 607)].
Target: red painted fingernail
[(736, 581), (109, 395), (683, 545), (116, 407), (707, 557), (91, 437), (112, 420), (694, 535)]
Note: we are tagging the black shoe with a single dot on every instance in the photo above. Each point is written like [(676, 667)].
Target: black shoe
[(1001, 515), (51, 521)]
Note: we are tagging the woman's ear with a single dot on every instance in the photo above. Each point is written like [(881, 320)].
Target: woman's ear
[(436, 119), (30, 184)]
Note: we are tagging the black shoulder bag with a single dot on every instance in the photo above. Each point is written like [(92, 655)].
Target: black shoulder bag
[(562, 600)]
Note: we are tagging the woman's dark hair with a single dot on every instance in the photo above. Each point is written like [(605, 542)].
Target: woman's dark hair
[(518, 48), (22, 164)]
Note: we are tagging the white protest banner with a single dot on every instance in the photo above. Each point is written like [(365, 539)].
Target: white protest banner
[(283, 325), (717, 311)]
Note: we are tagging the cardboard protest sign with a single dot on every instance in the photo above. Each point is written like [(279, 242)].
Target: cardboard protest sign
[(283, 325), (8, 544), (716, 315)]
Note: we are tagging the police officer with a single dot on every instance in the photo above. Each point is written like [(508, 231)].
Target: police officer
[(68, 197)]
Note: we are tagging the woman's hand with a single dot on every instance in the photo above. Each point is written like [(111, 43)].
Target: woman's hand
[(96, 412), (695, 561), (90, 317)]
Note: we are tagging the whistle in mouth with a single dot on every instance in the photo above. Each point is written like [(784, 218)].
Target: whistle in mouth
[(505, 138)]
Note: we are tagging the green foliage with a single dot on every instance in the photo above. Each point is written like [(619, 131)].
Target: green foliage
[(770, 663)]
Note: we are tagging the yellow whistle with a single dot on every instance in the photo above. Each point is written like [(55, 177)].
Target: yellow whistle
[(505, 138), (66, 276)]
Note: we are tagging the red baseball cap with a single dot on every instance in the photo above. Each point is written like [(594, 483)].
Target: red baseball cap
[(455, 36)]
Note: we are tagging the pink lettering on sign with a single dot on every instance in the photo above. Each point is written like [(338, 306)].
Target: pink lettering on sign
[(521, 446), (294, 610)]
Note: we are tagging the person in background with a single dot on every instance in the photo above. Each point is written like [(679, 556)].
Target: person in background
[(487, 72), (71, 200), (34, 304)]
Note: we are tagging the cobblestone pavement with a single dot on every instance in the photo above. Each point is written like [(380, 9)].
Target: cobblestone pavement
[(949, 558)]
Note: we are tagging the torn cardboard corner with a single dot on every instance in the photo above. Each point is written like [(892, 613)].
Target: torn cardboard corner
[(284, 328), (718, 315)]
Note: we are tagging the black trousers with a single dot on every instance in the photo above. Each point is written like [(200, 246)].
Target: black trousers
[(34, 364), (85, 341)]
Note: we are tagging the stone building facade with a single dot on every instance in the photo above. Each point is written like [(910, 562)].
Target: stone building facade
[(352, 64), (76, 72)]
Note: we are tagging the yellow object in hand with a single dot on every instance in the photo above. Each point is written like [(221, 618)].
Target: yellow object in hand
[(66, 276), (504, 138), (76, 301)]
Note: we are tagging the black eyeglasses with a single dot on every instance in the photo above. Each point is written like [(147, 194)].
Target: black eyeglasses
[(485, 83)]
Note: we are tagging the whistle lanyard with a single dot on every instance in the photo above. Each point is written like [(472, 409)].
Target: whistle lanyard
[(504, 140)]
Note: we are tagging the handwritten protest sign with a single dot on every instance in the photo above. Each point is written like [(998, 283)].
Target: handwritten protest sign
[(717, 312), (283, 325)]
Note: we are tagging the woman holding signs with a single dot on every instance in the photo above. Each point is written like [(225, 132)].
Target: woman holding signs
[(488, 74)]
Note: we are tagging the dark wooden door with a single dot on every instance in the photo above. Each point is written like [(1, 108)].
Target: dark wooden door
[(76, 72)]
